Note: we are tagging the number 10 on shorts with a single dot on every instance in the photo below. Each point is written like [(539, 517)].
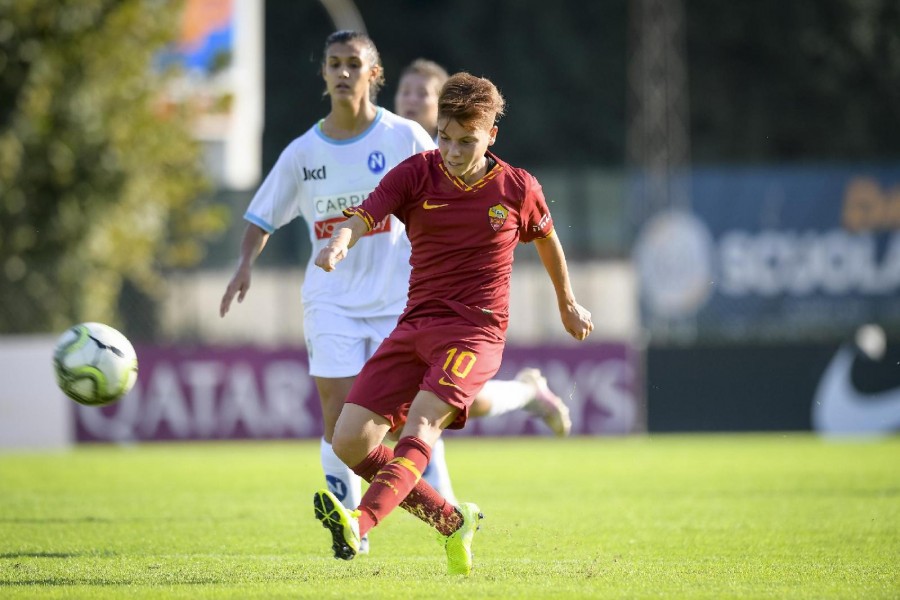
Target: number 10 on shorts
[(462, 363)]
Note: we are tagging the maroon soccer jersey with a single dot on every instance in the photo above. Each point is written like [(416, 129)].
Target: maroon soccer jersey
[(463, 236)]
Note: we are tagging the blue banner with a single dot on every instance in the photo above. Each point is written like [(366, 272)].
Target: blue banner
[(774, 254)]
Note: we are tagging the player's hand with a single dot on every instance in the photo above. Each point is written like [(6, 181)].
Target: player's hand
[(330, 256), (239, 284), (577, 320)]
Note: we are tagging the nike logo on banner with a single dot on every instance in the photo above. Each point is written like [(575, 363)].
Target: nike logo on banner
[(428, 206), (839, 408), (443, 381)]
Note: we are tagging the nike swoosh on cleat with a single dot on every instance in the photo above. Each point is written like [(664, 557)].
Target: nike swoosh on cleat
[(428, 206), (443, 381), (840, 408)]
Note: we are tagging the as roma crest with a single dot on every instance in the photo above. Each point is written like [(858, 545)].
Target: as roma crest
[(497, 215)]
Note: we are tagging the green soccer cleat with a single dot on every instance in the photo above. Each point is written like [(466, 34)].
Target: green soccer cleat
[(342, 523), (459, 543)]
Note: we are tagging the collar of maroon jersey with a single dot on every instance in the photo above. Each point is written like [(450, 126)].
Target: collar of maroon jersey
[(462, 185)]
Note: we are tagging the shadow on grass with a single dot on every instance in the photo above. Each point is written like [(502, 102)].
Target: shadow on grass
[(94, 583), (89, 553), (89, 519), (42, 554), (59, 520), (815, 493)]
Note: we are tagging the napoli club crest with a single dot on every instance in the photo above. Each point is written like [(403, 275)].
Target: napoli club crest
[(497, 215), (377, 162)]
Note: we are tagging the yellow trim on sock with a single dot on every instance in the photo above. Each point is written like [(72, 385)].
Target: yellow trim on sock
[(408, 465)]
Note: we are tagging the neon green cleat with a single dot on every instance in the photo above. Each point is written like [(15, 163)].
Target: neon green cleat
[(459, 543), (343, 524)]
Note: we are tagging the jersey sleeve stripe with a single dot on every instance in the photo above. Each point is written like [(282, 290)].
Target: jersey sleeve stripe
[(362, 214), (261, 223)]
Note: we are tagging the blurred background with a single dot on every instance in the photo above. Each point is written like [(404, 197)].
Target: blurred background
[(725, 178)]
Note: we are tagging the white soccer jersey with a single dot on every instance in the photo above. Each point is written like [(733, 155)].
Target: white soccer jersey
[(318, 177)]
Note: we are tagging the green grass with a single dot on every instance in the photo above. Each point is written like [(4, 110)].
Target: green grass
[(778, 516)]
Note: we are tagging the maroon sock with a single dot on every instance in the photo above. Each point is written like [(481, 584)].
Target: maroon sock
[(371, 464), (394, 481), (428, 505), (367, 469)]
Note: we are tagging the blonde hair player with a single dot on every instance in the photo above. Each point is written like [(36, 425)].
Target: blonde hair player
[(465, 210), (417, 99)]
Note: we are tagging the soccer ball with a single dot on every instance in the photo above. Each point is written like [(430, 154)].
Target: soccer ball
[(94, 363)]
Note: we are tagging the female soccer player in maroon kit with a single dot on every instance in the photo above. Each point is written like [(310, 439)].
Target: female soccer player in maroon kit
[(465, 210)]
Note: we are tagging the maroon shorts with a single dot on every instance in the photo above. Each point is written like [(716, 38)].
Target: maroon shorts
[(446, 355)]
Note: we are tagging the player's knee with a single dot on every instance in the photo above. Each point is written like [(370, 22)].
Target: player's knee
[(481, 407), (347, 449)]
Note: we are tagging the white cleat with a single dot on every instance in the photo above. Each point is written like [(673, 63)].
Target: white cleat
[(547, 405)]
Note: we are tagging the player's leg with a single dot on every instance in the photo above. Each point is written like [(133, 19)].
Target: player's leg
[(499, 396), (387, 382), (427, 419), (437, 473), (394, 476), (385, 390), (357, 433), (529, 391), (391, 484), (545, 404), (341, 480), (391, 476), (464, 358), (337, 352)]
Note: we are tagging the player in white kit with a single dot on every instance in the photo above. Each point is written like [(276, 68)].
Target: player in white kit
[(347, 313)]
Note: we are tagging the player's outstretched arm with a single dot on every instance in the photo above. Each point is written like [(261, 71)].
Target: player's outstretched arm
[(576, 319), (251, 245), (344, 237)]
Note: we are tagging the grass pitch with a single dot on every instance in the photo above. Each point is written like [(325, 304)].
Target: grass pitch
[(775, 516)]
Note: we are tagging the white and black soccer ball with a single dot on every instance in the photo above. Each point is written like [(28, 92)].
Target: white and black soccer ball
[(94, 363)]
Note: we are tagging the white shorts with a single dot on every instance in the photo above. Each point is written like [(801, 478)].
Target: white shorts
[(339, 346)]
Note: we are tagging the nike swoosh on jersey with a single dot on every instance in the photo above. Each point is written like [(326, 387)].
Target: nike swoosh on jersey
[(443, 381), (428, 206), (840, 408)]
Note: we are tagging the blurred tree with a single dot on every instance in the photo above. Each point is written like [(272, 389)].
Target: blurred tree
[(99, 183)]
